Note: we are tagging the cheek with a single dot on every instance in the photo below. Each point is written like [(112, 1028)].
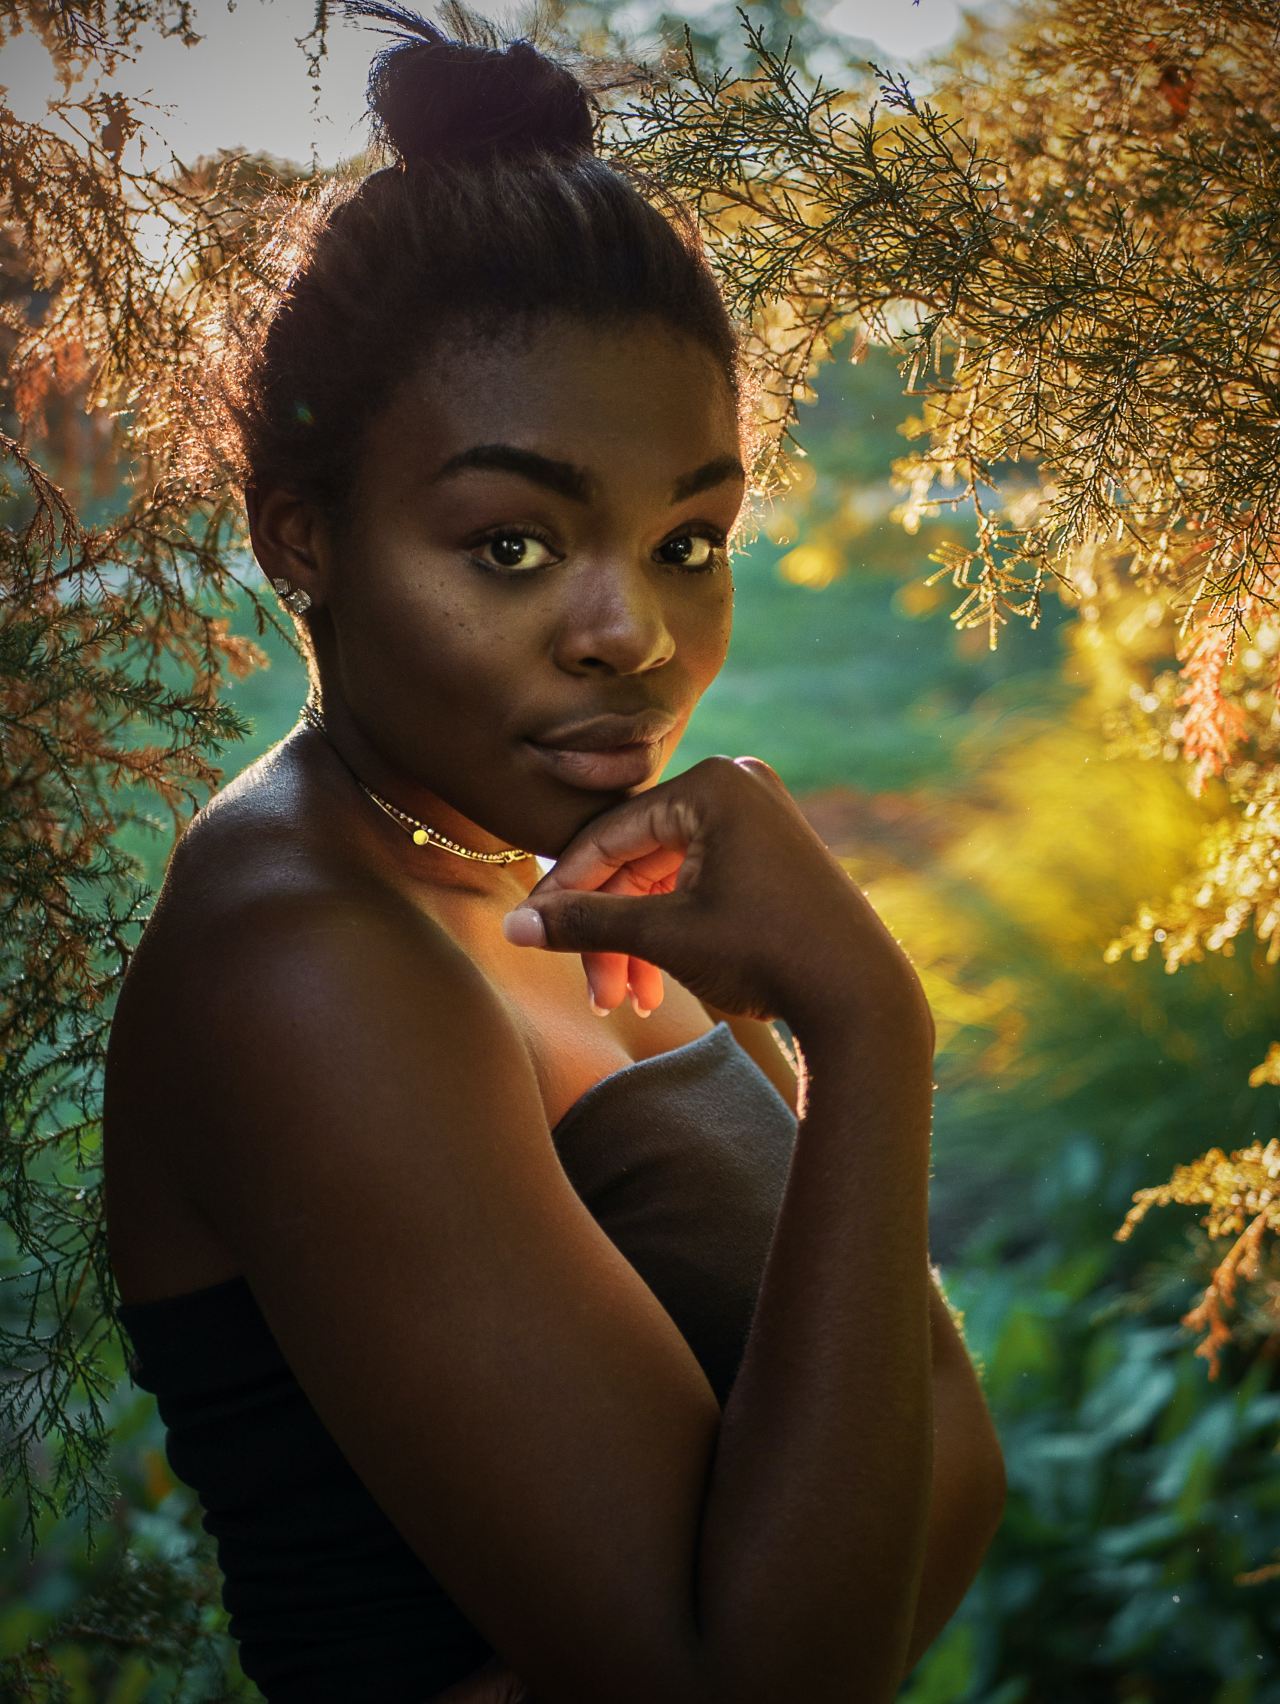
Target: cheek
[(419, 629), (708, 639), (465, 664)]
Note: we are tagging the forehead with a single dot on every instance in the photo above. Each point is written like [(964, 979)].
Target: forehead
[(638, 403)]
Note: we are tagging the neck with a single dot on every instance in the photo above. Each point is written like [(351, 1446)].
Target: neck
[(432, 842)]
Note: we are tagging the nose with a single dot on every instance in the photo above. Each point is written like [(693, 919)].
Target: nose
[(614, 619)]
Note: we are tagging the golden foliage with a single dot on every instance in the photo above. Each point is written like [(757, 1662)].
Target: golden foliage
[(107, 269), (1269, 1070), (1237, 881), (1242, 1192), (1035, 834), (1073, 243)]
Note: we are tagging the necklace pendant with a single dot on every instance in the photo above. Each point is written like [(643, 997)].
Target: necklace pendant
[(421, 836)]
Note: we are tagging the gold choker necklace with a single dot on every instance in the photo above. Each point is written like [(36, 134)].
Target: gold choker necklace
[(420, 834)]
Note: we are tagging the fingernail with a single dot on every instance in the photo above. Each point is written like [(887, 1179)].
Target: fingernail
[(600, 1011), (523, 927), (639, 1010)]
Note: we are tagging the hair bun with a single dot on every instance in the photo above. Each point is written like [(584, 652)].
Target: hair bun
[(436, 97)]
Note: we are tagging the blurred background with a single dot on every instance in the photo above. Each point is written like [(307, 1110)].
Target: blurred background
[(974, 796)]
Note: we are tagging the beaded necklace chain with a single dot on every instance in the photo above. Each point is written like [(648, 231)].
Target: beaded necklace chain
[(418, 832)]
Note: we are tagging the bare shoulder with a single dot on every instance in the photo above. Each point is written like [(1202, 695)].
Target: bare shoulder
[(255, 975), (377, 1158), (234, 868), (193, 974)]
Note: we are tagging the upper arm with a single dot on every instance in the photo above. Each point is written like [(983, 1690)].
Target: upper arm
[(377, 1157)]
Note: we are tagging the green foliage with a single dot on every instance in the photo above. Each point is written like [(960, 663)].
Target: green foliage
[(1072, 240), (1122, 1455), (1139, 1495), (137, 1621), (1071, 243), (109, 558), (1137, 1557)]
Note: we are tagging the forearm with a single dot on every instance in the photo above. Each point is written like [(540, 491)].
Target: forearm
[(814, 1525), (968, 1490)]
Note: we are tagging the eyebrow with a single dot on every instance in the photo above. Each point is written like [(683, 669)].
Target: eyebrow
[(575, 482), (559, 476), (710, 473)]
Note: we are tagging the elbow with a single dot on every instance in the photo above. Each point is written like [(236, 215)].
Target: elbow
[(987, 1475), (991, 1495)]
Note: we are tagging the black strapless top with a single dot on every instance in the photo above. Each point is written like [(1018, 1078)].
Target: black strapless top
[(681, 1159)]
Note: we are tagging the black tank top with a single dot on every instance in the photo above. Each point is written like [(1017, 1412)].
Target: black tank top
[(680, 1158)]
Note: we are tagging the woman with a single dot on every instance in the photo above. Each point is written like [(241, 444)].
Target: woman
[(514, 1353)]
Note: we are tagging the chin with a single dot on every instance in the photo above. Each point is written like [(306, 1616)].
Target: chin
[(549, 840)]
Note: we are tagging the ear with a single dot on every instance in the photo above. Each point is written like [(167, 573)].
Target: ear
[(287, 538)]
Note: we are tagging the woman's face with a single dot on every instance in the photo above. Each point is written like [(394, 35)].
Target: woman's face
[(537, 540)]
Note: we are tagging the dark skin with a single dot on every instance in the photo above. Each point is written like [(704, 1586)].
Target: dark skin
[(616, 597), (432, 670)]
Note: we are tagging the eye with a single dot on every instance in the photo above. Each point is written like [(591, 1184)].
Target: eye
[(695, 551), (513, 551)]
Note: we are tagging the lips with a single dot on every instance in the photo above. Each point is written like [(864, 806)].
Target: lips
[(608, 770), (608, 753), (606, 733)]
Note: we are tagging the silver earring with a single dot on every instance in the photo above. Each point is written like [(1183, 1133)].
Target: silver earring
[(296, 598)]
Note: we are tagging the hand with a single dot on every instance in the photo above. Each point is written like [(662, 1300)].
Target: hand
[(611, 977), (716, 877)]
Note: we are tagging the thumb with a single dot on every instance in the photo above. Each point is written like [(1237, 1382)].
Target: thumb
[(585, 922)]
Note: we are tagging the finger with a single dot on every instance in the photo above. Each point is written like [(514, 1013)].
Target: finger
[(606, 978), (646, 984), (658, 869), (764, 771), (612, 976), (576, 922), (609, 975), (654, 841)]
